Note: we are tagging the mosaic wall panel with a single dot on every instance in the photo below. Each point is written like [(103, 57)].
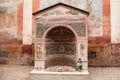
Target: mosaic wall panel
[(95, 7), (60, 61), (60, 33), (40, 30), (83, 50), (78, 27), (39, 52), (60, 48)]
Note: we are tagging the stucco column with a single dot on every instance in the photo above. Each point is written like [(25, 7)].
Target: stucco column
[(27, 22), (115, 21)]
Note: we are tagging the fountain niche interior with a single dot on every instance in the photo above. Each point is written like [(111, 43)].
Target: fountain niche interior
[(60, 46)]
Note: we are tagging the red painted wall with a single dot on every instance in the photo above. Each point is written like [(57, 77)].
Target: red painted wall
[(35, 7), (20, 20), (106, 18)]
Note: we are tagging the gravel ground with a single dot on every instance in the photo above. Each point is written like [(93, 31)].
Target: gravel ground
[(13, 72), (104, 73)]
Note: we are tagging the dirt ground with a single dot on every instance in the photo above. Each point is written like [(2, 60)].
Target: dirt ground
[(14, 72), (104, 73)]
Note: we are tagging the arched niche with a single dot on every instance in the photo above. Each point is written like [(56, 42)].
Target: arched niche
[(60, 45)]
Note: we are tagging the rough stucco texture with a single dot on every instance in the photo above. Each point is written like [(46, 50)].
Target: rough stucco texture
[(16, 54), (115, 20)]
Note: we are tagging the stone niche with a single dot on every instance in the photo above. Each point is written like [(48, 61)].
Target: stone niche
[(61, 39)]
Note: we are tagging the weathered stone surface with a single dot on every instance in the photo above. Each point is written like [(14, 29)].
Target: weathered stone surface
[(115, 21), (101, 51), (114, 57), (106, 54), (8, 19), (105, 39), (15, 54), (10, 1)]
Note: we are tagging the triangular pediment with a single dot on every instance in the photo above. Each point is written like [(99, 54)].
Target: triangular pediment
[(60, 9)]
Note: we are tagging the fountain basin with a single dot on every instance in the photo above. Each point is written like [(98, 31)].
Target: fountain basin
[(44, 75)]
